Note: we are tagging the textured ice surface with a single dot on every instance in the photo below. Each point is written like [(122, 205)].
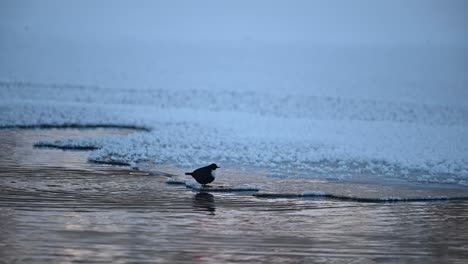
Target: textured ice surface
[(285, 101), (287, 134)]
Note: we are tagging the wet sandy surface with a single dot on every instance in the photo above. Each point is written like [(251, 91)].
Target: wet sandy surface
[(55, 207)]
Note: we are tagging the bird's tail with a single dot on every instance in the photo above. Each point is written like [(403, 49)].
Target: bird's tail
[(188, 173)]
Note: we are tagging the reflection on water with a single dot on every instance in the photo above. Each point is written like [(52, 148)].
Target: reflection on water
[(16, 147), (204, 201), (81, 212)]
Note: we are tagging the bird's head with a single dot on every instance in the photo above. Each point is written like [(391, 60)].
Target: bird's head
[(213, 166)]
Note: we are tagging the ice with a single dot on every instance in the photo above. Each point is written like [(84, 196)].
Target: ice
[(176, 181), (391, 199), (343, 149), (220, 188), (313, 102), (313, 193), (426, 145), (213, 188), (84, 143)]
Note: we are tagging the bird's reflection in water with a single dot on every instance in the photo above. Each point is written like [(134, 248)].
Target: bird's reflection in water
[(205, 201)]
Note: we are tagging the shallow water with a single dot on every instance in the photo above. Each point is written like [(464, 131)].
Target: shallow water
[(55, 207)]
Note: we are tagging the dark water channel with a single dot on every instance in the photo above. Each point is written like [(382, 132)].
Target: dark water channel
[(55, 207)]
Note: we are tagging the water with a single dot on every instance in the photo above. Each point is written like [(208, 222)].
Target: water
[(55, 207)]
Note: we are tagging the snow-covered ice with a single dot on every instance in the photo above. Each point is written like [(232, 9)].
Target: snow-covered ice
[(328, 108), (321, 138)]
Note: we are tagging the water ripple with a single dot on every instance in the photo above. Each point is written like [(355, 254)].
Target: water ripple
[(81, 212)]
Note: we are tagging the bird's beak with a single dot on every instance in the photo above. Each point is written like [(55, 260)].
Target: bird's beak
[(217, 167)]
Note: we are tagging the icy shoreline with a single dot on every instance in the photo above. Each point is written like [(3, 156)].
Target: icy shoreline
[(335, 112), (415, 142)]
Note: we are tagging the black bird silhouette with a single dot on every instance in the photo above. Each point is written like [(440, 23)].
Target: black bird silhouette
[(204, 175)]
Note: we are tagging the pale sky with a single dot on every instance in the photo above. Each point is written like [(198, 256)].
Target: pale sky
[(330, 21)]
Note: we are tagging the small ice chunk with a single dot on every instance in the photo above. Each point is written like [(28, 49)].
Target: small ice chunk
[(133, 165), (193, 185), (313, 193), (175, 181), (247, 188)]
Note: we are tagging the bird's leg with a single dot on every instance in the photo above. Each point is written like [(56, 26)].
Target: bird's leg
[(206, 186)]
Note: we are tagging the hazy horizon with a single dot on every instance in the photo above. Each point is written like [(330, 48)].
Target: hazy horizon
[(294, 22)]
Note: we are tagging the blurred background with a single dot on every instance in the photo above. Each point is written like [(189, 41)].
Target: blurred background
[(361, 48)]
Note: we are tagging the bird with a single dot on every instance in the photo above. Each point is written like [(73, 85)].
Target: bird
[(204, 175)]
